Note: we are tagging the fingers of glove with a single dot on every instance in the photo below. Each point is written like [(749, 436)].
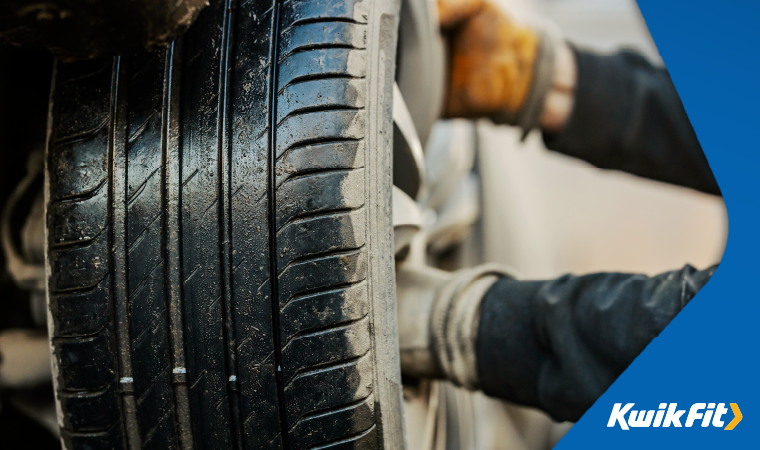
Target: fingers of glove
[(492, 61), (454, 12)]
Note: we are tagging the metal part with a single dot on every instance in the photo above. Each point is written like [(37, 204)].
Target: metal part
[(24, 359), (452, 203), (421, 62), (27, 274), (408, 159), (407, 220)]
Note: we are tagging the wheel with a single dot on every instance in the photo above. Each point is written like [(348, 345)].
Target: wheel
[(212, 283)]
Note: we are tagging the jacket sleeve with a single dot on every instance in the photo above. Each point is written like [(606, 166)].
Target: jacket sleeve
[(628, 116), (558, 345)]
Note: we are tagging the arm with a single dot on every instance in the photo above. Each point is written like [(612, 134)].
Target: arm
[(559, 344), (623, 113), (616, 112), (556, 344)]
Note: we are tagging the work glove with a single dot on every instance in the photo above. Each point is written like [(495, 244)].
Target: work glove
[(438, 315), (497, 68)]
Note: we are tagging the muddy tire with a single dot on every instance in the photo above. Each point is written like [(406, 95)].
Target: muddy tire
[(213, 284)]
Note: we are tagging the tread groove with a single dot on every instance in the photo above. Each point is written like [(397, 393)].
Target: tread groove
[(272, 206), (319, 368), (321, 290), (82, 243), (84, 195), (140, 188), (323, 140), (354, 437), (224, 200), (306, 48), (310, 332), (304, 21), (171, 193), (328, 411), (313, 109), (118, 216), (83, 135), (320, 256), (317, 76), (312, 215), (79, 290)]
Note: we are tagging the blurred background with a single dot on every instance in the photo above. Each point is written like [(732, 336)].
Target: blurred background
[(546, 214), (555, 214)]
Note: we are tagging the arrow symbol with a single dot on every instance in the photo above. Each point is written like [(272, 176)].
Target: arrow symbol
[(737, 417)]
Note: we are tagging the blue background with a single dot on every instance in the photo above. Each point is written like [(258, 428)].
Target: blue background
[(709, 353)]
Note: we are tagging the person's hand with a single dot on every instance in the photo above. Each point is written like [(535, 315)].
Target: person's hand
[(504, 70), (492, 59)]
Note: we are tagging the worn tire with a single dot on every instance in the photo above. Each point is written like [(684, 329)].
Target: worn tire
[(213, 285)]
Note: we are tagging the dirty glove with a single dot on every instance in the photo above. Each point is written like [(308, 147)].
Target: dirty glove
[(497, 68), (438, 320)]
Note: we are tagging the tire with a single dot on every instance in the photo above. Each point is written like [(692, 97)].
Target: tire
[(213, 285)]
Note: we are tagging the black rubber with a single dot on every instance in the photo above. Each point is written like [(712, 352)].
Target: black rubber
[(213, 285)]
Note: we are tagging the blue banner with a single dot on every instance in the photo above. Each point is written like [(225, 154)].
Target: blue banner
[(696, 385)]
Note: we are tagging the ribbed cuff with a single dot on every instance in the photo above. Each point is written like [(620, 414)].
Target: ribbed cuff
[(543, 74)]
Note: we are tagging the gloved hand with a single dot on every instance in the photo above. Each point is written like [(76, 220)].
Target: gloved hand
[(498, 68), (438, 315)]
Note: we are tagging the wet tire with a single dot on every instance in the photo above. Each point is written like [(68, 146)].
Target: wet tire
[(213, 284)]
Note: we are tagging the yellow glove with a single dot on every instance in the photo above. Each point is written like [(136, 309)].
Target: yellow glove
[(497, 68)]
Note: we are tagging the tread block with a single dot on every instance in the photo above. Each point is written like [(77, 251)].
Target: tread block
[(332, 425), (145, 256), (90, 411), (146, 86), (331, 387), (320, 126), (89, 94), (310, 158), (363, 441), (320, 273), (296, 11), (79, 268), (145, 209), (81, 220), (82, 314), (321, 93), (144, 156), (161, 437), (151, 359), (325, 347), (78, 168), (319, 235), (85, 363), (155, 406), (324, 309), (261, 425), (323, 62), (321, 34), (319, 193), (104, 440), (146, 304)]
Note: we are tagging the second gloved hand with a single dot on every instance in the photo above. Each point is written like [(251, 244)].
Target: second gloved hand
[(498, 68)]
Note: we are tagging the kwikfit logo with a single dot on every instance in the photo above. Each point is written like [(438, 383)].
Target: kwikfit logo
[(706, 414)]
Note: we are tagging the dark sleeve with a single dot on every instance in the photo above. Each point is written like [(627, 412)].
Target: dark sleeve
[(628, 116), (558, 345)]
